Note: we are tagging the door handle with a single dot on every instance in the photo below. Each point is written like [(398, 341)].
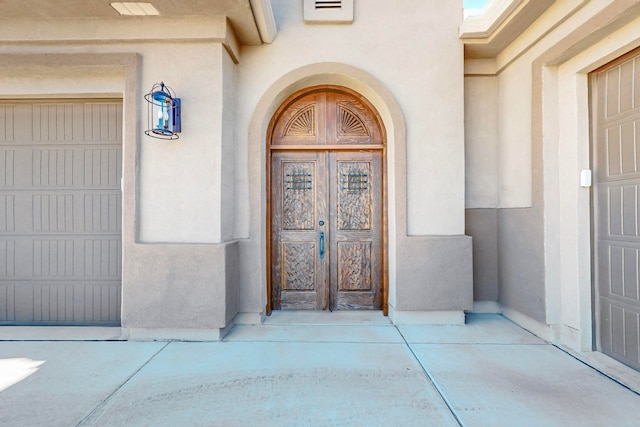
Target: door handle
[(321, 244)]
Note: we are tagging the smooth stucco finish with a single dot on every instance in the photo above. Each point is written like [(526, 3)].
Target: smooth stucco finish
[(421, 164), (172, 205), (571, 301), (481, 141), (180, 181), (170, 293), (434, 273), (253, 285), (167, 186), (435, 141), (503, 136), (455, 257), (482, 226), (187, 202), (543, 230)]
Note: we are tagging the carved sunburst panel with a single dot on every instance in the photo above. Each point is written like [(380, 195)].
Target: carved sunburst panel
[(303, 123), (350, 123)]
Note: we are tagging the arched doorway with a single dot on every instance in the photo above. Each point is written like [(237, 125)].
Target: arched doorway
[(326, 225)]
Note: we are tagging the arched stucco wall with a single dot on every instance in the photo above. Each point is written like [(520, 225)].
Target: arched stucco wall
[(254, 280)]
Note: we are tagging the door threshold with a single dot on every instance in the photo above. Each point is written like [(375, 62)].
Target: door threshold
[(342, 317)]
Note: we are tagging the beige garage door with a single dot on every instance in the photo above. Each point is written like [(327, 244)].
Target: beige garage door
[(616, 207), (60, 212)]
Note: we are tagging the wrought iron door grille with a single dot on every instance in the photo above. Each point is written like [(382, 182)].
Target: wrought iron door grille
[(298, 180), (355, 181)]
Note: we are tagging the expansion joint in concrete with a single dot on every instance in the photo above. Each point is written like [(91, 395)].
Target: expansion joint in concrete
[(105, 400), (430, 377)]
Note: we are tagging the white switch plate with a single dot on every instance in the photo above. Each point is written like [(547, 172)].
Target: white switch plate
[(585, 178)]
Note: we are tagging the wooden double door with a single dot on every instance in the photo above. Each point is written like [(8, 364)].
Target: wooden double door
[(326, 222)]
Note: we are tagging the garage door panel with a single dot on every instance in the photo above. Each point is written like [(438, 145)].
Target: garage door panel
[(102, 122), (616, 209), (94, 212), (7, 258), (102, 167), (99, 166), (62, 303), (626, 86), (6, 122), (51, 212), (618, 271), (7, 162), (53, 258), (50, 167), (619, 219), (619, 149), (63, 212), (619, 89), (7, 212), (619, 331), (84, 258), (60, 212), (52, 122), (632, 335), (100, 212), (7, 303), (101, 258), (72, 303)]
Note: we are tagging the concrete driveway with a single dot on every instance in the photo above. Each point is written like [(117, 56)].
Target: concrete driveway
[(314, 369)]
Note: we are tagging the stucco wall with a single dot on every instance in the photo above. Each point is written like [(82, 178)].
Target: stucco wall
[(187, 200), (165, 290), (481, 174), (543, 228), (177, 201), (481, 138), (482, 225), (227, 156), (385, 58), (417, 57), (177, 209), (180, 181), (25, 81)]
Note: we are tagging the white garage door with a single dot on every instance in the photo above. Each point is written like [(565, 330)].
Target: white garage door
[(616, 207), (60, 212)]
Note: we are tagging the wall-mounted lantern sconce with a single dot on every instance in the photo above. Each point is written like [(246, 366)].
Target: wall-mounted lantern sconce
[(163, 120)]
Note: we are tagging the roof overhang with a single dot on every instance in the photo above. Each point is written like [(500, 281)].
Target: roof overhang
[(487, 34), (252, 20)]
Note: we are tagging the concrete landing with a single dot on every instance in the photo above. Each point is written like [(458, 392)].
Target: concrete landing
[(294, 372)]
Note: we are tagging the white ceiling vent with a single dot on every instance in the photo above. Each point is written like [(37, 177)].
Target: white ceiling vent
[(328, 11)]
